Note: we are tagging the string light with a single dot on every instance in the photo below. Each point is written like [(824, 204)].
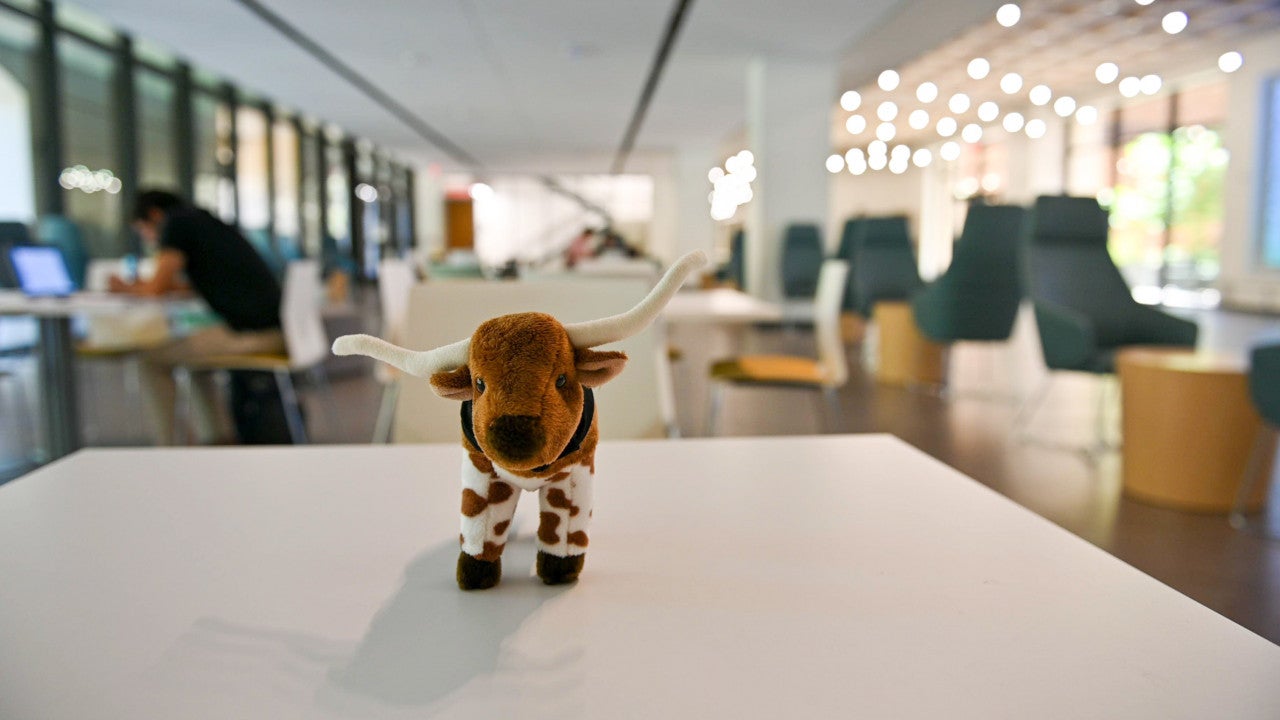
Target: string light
[(851, 100)]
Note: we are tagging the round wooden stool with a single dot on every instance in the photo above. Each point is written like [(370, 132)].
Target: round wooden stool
[(904, 356), (1188, 429)]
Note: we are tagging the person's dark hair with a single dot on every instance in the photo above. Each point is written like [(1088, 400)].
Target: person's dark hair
[(161, 200)]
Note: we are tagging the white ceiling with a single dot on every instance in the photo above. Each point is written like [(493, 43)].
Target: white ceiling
[(543, 84)]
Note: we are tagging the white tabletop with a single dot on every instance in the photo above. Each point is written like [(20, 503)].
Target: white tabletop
[(846, 576), (14, 302), (719, 305)]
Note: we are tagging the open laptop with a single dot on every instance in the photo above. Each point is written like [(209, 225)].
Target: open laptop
[(41, 271)]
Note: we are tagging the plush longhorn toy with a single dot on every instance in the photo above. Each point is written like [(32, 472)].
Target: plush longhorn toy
[(528, 422)]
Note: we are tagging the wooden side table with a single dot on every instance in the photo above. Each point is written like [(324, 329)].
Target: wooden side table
[(1188, 429), (904, 356)]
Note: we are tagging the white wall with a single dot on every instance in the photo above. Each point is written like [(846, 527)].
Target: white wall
[(681, 220), (17, 186), (1243, 280)]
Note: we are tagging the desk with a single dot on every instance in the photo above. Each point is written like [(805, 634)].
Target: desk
[(719, 306), (838, 576), (60, 417)]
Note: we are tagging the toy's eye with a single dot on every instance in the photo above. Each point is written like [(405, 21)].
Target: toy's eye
[(560, 381), (480, 385)]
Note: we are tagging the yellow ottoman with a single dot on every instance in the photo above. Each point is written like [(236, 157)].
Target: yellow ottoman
[(904, 356)]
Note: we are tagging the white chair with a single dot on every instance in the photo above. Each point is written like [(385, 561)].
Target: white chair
[(635, 405), (827, 374), (304, 337), (395, 279)]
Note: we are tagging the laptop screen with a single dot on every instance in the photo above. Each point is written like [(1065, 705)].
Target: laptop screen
[(41, 271)]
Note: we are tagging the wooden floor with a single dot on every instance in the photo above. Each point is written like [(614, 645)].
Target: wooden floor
[(1234, 573)]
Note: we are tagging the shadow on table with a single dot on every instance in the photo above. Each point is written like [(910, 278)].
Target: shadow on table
[(430, 644)]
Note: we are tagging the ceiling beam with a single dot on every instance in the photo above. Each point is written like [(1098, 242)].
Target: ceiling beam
[(650, 84)]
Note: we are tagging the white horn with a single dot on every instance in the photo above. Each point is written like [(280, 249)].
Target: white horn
[(620, 327), (422, 364)]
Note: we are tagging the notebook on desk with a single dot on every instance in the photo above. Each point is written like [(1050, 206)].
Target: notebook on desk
[(41, 271)]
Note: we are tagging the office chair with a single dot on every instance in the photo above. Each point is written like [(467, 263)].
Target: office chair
[(826, 374), (1264, 390), (801, 260), (884, 264)]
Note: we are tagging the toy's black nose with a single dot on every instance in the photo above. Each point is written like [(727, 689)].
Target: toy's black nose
[(518, 437)]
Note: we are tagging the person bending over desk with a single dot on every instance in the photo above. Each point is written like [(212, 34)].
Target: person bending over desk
[(225, 270)]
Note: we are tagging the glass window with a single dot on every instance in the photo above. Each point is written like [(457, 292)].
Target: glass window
[(157, 150), (1089, 159), (337, 188), (284, 146), (91, 26), (204, 113), (1138, 210), (18, 39), (92, 154), (252, 174), (225, 161), (1270, 222)]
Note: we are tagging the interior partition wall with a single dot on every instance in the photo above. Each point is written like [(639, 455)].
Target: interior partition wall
[(89, 116)]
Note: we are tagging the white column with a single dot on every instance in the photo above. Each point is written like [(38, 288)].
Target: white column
[(681, 215), (789, 132)]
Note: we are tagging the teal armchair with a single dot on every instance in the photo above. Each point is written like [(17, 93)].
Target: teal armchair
[(735, 271), (1264, 391), (846, 253), (977, 298), (801, 260), (884, 266), (1083, 308), (57, 231)]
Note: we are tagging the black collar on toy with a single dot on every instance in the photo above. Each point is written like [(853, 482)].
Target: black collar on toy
[(575, 442)]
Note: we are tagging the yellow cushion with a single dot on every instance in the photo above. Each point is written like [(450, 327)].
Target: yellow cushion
[(240, 362), (777, 369)]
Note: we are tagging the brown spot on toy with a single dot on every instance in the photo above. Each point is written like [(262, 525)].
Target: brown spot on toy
[(556, 498), (578, 538), (472, 503), (492, 551), (501, 527), (559, 477), (499, 492), (574, 510), (547, 528), (481, 463), (461, 539)]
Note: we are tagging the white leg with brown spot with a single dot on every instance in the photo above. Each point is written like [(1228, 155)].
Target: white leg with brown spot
[(488, 504), (565, 513)]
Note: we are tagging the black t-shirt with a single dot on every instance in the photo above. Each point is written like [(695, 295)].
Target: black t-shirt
[(224, 269)]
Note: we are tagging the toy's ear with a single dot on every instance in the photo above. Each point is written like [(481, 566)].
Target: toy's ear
[(597, 368), (455, 385)]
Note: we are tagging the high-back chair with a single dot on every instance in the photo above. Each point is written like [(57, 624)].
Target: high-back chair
[(884, 262), (826, 374), (396, 279), (305, 339), (735, 271), (977, 297), (801, 260), (637, 404), (1084, 310), (1264, 391), (846, 253)]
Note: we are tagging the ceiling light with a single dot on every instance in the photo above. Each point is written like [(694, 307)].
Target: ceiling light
[(1064, 106), (1087, 115), (733, 164), (853, 155), (1036, 128), (947, 127), (972, 133), (877, 162), (922, 157), (479, 191), (886, 131), (747, 158), (850, 100), (978, 68), (1013, 122), (877, 147), (900, 151), (1230, 62), (716, 174), (1144, 2), (949, 151), (1130, 86), (835, 163), (1150, 84), (1011, 83), (918, 120), (1040, 95), (1107, 73), (855, 124), (1008, 14), (858, 169), (1175, 22), (888, 80), (898, 166), (887, 111), (927, 92), (988, 111), (959, 103)]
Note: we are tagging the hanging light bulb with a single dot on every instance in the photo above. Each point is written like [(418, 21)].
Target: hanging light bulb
[(1107, 73), (1087, 115), (927, 92), (855, 124), (1230, 62), (979, 68), (835, 163), (988, 111), (949, 151), (918, 119), (1011, 83), (887, 111), (1040, 95), (1013, 122), (959, 103), (886, 131), (1036, 128), (888, 80), (972, 133), (1008, 14), (1064, 106), (1175, 22), (947, 126)]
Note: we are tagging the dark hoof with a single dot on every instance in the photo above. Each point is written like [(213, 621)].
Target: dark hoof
[(556, 570), (475, 574)]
